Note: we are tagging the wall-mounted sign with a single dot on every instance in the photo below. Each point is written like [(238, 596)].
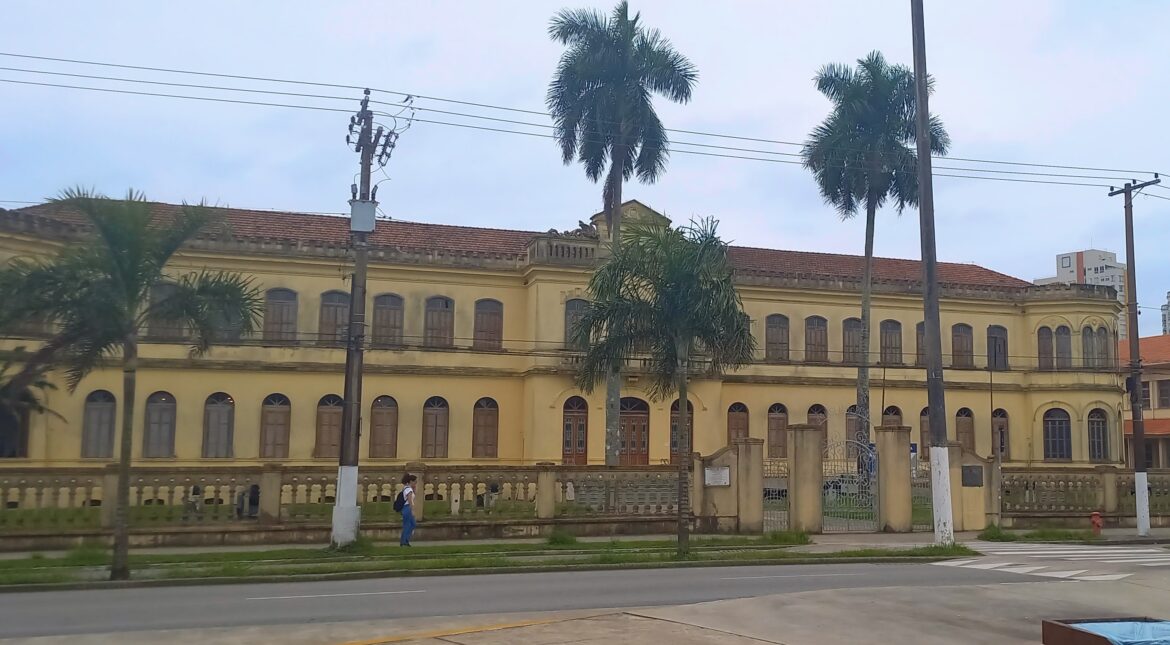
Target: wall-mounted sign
[(717, 476)]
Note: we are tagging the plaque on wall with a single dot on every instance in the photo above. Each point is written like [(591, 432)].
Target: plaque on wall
[(973, 476), (717, 476)]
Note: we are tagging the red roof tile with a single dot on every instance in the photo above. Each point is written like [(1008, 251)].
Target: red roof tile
[(331, 229), (1155, 350)]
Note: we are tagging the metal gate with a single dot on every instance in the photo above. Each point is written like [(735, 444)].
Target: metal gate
[(921, 498), (850, 495), (775, 495)]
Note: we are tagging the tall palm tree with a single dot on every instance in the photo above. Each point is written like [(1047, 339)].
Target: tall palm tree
[(668, 292), (600, 101), (100, 295), (863, 154)]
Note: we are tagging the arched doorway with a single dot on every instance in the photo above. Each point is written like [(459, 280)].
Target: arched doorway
[(676, 450), (634, 445), (574, 450)]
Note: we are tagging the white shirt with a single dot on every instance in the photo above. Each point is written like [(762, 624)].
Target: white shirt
[(407, 492)]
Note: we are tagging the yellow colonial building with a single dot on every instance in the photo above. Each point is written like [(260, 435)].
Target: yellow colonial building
[(468, 359)]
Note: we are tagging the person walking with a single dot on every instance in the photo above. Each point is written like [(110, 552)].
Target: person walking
[(405, 505)]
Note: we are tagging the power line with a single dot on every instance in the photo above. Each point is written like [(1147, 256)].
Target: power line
[(522, 111)]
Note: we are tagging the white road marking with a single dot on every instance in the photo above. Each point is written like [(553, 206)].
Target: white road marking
[(1157, 564), (803, 575), (985, 565), (955, 563), (1061, 574), (1164, 558), (1102, 578), (338, 595), (1022, 569)]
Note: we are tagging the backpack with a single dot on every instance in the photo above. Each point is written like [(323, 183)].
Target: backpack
[(400, 502)]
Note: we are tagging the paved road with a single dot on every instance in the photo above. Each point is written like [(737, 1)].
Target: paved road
[(1091, 562), (104, 611)]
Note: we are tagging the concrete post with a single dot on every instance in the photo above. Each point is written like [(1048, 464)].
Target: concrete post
[(546, 490), (698, 509), (418, 469), (806, 461), (271, 491), (894, 503), (749, 480), (109, 495), (955, 455), (1109, 488)]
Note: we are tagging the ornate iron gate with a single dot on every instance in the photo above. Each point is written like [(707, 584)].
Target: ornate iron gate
[(921, 498), (850, 495), (775, 495)]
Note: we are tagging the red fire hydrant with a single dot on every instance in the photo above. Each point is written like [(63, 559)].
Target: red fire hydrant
[(1095, 520)]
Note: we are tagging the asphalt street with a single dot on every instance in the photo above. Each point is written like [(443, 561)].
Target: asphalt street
[(153, 608)]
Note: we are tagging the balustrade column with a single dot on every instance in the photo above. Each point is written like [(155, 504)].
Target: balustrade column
[(271, 491), (546, 490), (109, 495)]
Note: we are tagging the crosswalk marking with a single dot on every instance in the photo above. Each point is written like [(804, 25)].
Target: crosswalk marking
[(1060, 574), (1156, 564), (1135, 560), (1103, 578), (1046, 560), (989, 565), (1021, 569)]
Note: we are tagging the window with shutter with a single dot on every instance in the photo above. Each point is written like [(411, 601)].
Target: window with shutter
[(159, 439), (776, 338), (163, 325), (819, 415), (219, 412), (777, 431), (999, 425), (1089, 348), (329, 413), (574, 312), (634, 440), (280, 316), (891, 342), (997, 348), (275, 422), (851, 337), (924, 435), (334, 320), (965, 428), (737, 422), (962, 346), (816, 339), (575, 441), (485, 429), (1063, 348), (434, 431), (388, 318), (853, 431), (1104, 348), (384, 428), (1044, 350), (920, 345), (892, 416), (97, 431), (489, 324), (677, 454), (439, 327)]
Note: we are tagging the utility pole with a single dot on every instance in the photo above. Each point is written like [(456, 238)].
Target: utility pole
[(363, 206), (1140, 482), (940, 477)]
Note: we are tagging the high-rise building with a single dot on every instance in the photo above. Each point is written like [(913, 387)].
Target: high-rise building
[(1093, 266)]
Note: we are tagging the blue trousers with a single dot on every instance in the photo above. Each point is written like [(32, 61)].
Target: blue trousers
[(407, 525)]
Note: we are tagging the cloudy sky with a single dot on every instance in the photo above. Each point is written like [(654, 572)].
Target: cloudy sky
[(1074, 82)]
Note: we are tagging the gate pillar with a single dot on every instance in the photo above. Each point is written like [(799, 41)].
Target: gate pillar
[(806, 445), (895, 511)]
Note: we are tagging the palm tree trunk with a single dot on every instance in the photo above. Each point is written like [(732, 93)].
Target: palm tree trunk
[(613, 380), (866, 296), (684, 448), (120, 569)]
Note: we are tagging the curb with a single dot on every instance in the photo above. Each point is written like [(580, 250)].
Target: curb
[(361, 575)]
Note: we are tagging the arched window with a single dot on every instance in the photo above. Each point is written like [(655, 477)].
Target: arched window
[(14, 431), (574, 312), (818, 415), (777, 431), (816, 339), (489, 324), (219, 423), (997, 348), (776, 337), (439, 326), (334, 321), (389, 313), (275, 422), (1099, 435), (634, 441), (1104, 348), (854, 430), (280, 315), (892, 416), (1044, 350), (962, 346), (851, 341), (891, 342), (384, 428), (436, 416), (737, 422), (924, 434), (329, 413), (575, 447), (1063, 348), (920, 344), (1089, 348), (1057, 435), (965, 428), (158, 325), (677, 456), (158, 441), (97, 426), (485, 429), (1000, 428)]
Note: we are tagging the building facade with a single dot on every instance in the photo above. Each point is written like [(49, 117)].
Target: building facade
[(469, 359), (1155, 394), (1092, 266)]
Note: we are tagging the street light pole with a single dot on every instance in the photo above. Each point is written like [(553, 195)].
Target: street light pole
[(1140, 481), (940, 477)]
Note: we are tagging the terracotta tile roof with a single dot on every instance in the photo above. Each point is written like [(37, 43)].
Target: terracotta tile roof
[(1152, 427), (1155, 350), (334, 230)]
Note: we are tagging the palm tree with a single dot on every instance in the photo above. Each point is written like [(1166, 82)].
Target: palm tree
[(669, 293), (600, 101), (100, 295), (864, 154)]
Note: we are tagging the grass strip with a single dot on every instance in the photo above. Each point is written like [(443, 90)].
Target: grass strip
[(994, 533)]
